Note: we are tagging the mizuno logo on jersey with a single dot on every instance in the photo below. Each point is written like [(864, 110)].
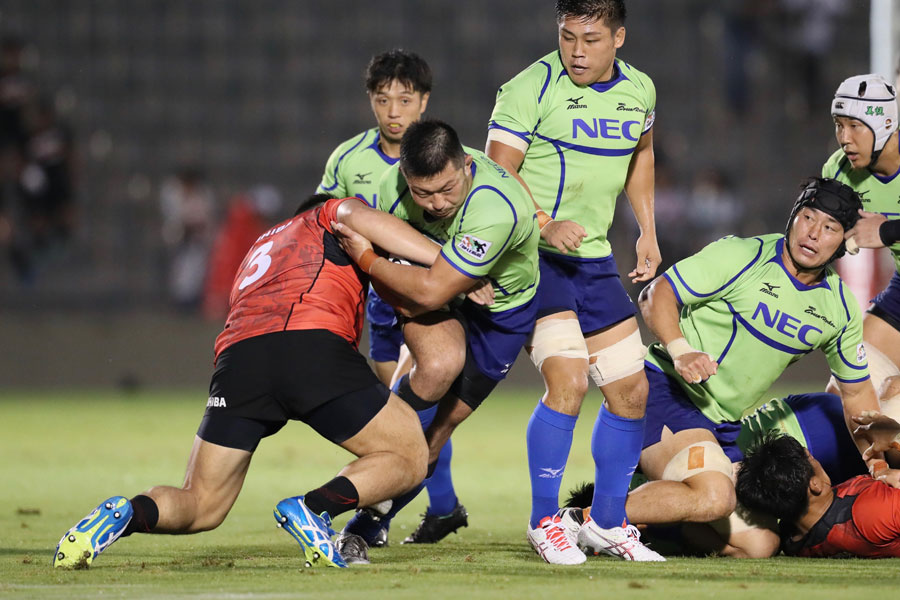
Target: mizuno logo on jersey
[(473, 246), (361, 177), (576, 103), (769, 289)]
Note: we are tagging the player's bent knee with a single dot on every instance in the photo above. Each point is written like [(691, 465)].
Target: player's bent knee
[(556, 337), (622, 359), (717, 492)]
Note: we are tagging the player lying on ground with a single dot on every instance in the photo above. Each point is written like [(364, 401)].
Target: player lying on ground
[(576, 127), (859, 517), (288, 352), (730, 319), (488, 228), (816, 420)]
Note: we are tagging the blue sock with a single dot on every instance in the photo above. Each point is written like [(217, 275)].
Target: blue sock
[(616, 448), (548, 439), (441, 495)]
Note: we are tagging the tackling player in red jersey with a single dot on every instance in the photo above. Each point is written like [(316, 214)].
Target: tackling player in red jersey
[(288, 352), (860, 517)]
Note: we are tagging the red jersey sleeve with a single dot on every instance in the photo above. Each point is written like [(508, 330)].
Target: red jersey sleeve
[(329, 212)]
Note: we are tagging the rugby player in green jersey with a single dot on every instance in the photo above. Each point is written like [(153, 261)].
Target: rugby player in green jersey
[(865, 116), (576, 127), (730, 319), (398, 84), (488, 230)]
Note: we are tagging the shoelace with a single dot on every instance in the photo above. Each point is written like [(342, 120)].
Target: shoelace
[(555, 534)]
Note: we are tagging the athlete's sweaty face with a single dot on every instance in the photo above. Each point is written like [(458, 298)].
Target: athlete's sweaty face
[(396, 106), (814, 238), (856, 140), (442, 194), (588, 49)]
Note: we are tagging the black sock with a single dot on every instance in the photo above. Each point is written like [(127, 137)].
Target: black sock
[(146, 515), (337, 496)]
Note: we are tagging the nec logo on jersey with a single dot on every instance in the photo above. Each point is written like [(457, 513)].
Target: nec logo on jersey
[(768, 289), (575, 103), (473, 246), (785, 324), (361, 178), (610, 129)]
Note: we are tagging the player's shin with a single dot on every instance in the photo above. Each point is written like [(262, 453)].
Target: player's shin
[(548, 440), (616, 447)]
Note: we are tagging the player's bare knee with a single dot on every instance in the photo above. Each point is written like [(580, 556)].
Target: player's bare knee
[(717, 499), (707, 471), (628, 397)]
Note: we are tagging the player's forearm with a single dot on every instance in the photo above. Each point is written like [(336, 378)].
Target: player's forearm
[(388, 232), (639, 187), (660, 310), (416, 284), (856, 399)]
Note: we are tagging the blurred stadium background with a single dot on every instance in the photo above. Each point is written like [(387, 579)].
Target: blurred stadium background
[(156, 118)]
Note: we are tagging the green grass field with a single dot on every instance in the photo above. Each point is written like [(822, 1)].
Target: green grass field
[(63, 453)]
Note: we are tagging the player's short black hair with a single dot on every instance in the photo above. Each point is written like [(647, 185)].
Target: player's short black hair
[(406, 67), (312, 202), (427, 146), (774, 477), (612, 12)]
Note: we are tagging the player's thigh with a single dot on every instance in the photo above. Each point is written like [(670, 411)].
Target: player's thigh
[(215, 474), (395, 428), (437, 343), (655, 458)]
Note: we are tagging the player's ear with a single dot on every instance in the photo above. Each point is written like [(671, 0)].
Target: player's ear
[(816, 486), (619, 38), (425, 97)]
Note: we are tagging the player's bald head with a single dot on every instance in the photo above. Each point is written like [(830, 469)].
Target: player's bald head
[(427, 146), (612, 12)]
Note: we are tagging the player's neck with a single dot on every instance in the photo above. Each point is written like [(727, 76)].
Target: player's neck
[(818, 506), (888, 162), (390, 149)]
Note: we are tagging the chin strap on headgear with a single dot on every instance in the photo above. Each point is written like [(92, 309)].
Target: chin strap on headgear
[(871, 100), (832, 198)]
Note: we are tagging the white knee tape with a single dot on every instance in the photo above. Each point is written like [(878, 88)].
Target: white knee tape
[(698, 458), (624, 358), (557, 337), (880, 367)]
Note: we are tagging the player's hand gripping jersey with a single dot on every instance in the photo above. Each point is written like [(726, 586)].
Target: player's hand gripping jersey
[(494, 233), (355, 167), (577, 140), (863, 520), (296, 276), (879, 194), (743, 308)]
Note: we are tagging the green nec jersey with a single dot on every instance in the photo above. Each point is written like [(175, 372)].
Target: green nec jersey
[(355, 167), (879, 194), (774, 415), (494, 233), (742, 307), (578, 141)]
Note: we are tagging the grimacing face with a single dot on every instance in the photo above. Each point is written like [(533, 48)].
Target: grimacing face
[(814, 238), (588, 49), (856, 140), (396, 107), (442, 194)]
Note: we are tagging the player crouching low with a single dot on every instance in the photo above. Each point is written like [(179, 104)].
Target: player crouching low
[(288, 352)]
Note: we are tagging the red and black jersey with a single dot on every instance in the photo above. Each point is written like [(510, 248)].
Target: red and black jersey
[(863, 520), (296, 276)]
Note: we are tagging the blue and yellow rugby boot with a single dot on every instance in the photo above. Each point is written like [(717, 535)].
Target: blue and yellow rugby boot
[(313, 532), (93, 534)]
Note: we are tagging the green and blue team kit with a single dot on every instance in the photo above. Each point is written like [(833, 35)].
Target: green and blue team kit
[(579, 140), (355, 168)]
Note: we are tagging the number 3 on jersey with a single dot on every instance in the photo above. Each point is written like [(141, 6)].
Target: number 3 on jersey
[(262, 261)]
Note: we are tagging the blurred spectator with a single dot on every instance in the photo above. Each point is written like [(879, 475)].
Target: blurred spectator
[(46, 179), (248, 216), (188, 205), (742, 38), (810, 38), (671, 206), (714, 208)]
